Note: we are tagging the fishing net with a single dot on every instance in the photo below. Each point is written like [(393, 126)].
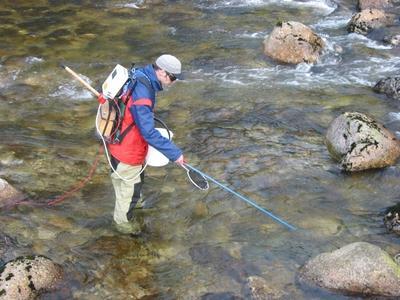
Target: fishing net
[(197, 179)]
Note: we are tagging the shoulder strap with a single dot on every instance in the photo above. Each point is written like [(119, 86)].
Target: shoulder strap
[(144, 80)]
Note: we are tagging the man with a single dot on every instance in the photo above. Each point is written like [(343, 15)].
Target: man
[(128, 157)]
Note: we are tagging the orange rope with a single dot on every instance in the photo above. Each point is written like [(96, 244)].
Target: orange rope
[(81, 184)]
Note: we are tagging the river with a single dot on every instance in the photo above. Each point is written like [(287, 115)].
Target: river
[(253, 125)]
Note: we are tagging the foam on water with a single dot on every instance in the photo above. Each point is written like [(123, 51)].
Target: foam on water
[(324, 7), (332, 22), (394, 116), (310, 76), (33, 60), (134, 4), (356, 38), (71, 91)]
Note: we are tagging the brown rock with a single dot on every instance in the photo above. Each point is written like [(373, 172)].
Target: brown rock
[(293, 42), (369, 19), (377, 4)]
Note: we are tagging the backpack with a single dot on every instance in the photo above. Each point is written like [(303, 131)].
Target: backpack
[(111, 113)]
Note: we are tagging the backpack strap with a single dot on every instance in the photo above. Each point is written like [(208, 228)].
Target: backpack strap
[(140, 102)]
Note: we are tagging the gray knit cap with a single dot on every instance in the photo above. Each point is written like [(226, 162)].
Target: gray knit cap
[(170, 64)]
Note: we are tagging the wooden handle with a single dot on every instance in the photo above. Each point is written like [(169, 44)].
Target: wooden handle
[(87, 85)]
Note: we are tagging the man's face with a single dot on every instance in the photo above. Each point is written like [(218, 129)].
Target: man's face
[(165, 78)]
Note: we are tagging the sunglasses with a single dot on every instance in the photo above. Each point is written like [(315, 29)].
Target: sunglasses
[(172, 77)]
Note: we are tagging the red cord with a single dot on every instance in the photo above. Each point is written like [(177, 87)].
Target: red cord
[(81, 184)]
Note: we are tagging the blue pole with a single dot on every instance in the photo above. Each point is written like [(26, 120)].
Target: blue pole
[(244, 199)]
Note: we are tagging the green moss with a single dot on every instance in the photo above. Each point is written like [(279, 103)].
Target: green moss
[(392, 265), (3, 292)]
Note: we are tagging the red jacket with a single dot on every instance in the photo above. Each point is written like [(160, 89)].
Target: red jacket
[(133, 148)]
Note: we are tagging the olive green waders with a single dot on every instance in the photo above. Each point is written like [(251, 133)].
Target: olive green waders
[(127, 195)]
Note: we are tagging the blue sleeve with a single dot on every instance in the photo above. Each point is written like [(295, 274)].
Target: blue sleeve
[(144, 119)]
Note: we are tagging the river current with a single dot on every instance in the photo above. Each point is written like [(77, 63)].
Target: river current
[(250, 123)]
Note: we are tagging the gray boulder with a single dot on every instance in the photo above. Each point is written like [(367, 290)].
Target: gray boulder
[(358, 268), (369, 19), (27, 277), (389, 86), (358, 142), (293, 43)]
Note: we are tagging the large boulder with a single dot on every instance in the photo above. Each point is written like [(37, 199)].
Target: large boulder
[(358, 268), (377, 4), (389, 86), (27, 277), (293, 43), (369, 19), (360, 143)]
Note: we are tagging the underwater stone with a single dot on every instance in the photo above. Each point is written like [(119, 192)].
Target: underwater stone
[(257, 288)]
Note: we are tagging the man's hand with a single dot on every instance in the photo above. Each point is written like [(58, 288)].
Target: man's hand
[(101, 99), (180, 160)]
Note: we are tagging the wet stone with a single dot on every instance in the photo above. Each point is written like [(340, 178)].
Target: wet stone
[(360, 143), (27, 277), (389, 86), (391, 219), (359, 269)]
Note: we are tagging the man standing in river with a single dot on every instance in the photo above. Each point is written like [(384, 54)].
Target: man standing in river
[(127, 157)]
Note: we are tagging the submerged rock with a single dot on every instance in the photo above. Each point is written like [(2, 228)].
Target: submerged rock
[(389, 86), (293, 43), (28, 276), (361, 143), (257, 288), (358, 268), (369, 19), (223, 262)]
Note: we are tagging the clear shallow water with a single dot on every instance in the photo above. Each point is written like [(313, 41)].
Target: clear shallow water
[(254, 125)]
